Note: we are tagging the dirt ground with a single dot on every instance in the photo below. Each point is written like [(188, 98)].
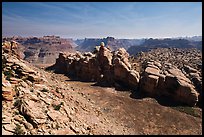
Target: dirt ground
[(126, 115)]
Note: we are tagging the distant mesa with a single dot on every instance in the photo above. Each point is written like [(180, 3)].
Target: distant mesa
[(149, 44), (88, 44), (43, 49)]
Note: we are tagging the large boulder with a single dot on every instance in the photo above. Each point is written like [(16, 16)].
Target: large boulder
[(186, 93), (123, 55), (180, 87), (105, 58), (120, 70), (88, 70), (152, 79), (133, 79), (174, 84), (151, 70), (149, 84), (60, 63)]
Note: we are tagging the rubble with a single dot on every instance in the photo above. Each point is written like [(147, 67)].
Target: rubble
[(172, 72)]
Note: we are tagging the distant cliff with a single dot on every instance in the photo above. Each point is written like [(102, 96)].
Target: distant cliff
[(164, 43), (43, 49), (88, 44)]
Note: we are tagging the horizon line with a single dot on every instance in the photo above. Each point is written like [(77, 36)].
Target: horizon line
[(66, 37)]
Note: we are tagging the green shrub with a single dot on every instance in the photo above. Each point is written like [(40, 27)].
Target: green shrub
[(8, 74), (187, 110), (18, 130), (17, 103)]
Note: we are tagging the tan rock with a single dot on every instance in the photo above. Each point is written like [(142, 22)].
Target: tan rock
[(186, 93), (149, 84), (7, 91), (176, 72), (133, 79), (34, 78), (14, 80), (9, 127), (120, 70), (152, 71), (34, 111), (4, 132), (54, 115), (105, 57), (6, 120), (157, 64), (194, 75)]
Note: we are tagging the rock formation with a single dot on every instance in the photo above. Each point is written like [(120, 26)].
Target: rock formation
[(174, 84), (172, 72), (105, 67), (158, 78)]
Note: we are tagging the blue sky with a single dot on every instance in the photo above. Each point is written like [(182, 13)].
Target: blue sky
[(102, 19)]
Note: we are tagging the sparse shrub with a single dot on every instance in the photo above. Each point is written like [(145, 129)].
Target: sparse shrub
[(17, 103), (57, 107), (44, 90), (187, 110), (18, 130), (8, 74)]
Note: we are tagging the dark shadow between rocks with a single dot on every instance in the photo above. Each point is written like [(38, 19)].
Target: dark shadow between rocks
[(162, 100)]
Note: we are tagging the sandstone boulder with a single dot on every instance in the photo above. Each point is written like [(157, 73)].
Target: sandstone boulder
[(133, 79), (105, 58), (7, 90), (120, 70), (60, 65), (149, 84), (122, 54), (186, 93), (152, 70)]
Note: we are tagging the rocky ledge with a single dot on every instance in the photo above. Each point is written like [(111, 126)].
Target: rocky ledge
[(155, 78), (103, 66)]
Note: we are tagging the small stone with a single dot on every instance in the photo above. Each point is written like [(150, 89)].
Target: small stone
[(4, 132), (9, 127), (18, 118), (28, 125)]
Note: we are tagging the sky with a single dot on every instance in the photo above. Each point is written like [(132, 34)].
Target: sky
[(102, 19)]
